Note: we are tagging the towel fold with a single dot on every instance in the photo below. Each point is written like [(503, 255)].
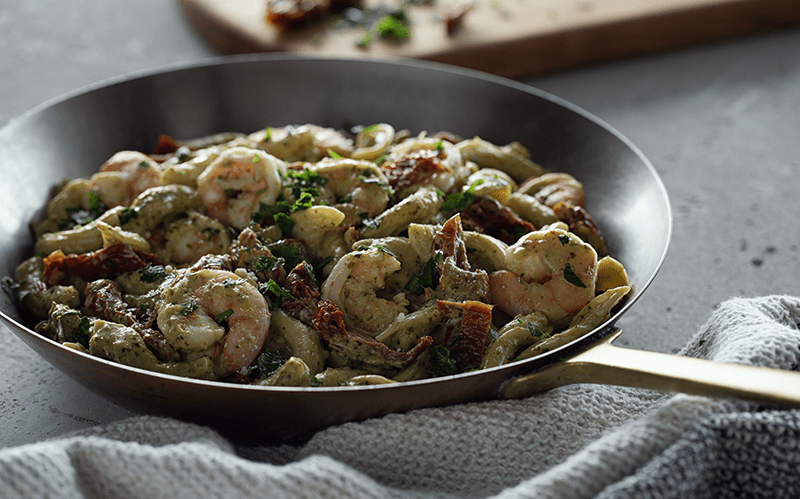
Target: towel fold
[(578, 441)]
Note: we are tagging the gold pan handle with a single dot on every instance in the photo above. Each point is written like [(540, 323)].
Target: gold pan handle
[(603, 363)]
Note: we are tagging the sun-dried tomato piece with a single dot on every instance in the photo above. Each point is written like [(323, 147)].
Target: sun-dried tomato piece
[(414, 168), (457, 282), (582, 224), (104, 263), (329, 324), (489, 217), (166, 145), (300, 284), (465, 326), (450, 241)]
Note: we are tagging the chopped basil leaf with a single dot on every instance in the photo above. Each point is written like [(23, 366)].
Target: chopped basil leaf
[(458, 202), (152, 273), (268, 264), (127, 214), (188, 307), (535, 331), (275, 293), (285, 223), (442, 363), (304, 202), (267, 364), (224, 315), (83, 334), (571, 277), (305, 181), (394, 26), (564, 239), (290, 255), (425, 277)]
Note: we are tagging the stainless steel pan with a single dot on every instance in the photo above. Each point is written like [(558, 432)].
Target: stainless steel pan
[(72, 136)]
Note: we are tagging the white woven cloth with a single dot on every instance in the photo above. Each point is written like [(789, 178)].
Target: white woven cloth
[(581, 441)]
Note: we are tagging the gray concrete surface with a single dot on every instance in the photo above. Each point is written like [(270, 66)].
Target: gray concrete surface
[(721, 124)]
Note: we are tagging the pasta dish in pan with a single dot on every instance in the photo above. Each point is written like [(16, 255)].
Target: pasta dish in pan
[(309, 256)]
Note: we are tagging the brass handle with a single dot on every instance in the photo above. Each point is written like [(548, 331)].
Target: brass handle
[(606, 364)]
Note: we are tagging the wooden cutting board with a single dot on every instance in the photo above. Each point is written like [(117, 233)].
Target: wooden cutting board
[(511, 38)]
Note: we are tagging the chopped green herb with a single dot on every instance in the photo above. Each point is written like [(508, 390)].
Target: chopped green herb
[(256, 159), (304, 202), (83, 334), (275, 293), (439, 146), (315, 381), (268, 264), (94, 202), (365, 41), (304, 181), (127, 214), (425, 277), (571, 277), (458, 202), (144, 165), (442, 363), (394, 26), (188, 307), (285, 223), (210, 232), (151, 273), (267, 364), (334, 154), (565, 240), (290, 255), (268, 134), (535, 331), (224, 315)]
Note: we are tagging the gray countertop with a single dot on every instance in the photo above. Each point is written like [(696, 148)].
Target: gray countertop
[(721, 124)]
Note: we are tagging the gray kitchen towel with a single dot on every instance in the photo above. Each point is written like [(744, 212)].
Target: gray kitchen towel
[(579, 441)]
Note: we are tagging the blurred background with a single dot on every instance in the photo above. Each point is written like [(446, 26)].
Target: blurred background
[(717, 116)]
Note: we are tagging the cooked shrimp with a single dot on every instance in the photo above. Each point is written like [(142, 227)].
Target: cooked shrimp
[(123, 177), (360, 183), (550, 270), (237, 181), (190, 237), (215, 314), (353, 285)]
